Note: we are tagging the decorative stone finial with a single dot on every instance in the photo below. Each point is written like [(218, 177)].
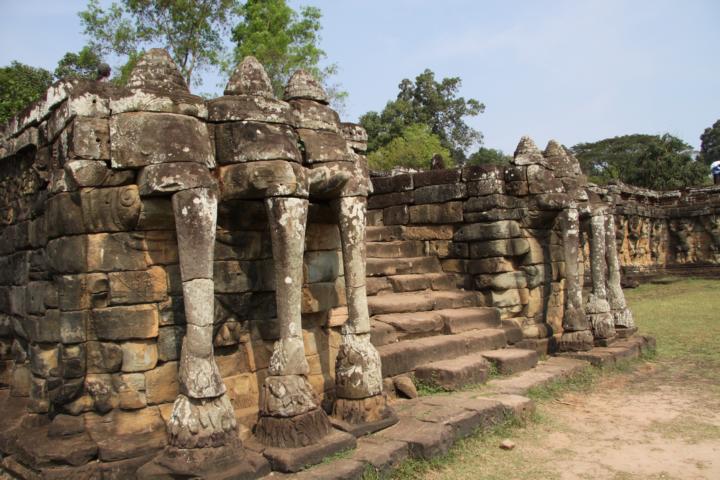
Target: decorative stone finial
[(527, 153), (304, 85), (554, 150), (157, 71), (249, 78), (526, 146)]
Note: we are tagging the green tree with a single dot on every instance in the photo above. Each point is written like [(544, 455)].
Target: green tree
[(83, 64), (428, 102), (192, 30), (660, 162), (414, 148), (710, 144), (489, 156), (284, 41), (20, 85)]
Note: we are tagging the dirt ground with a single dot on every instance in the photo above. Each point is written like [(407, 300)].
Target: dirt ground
[(645, 425), (658, 418)]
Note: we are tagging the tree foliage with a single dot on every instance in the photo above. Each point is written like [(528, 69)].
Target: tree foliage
[(20, 85), (428, 102), (414, 148), (191, 30), (83, 64), (284, 41), (489, 156), (710, 144), (660, 162)]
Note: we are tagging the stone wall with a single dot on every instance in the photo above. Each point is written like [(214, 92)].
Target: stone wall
[(92, 314), (495, 228), (672, 231)]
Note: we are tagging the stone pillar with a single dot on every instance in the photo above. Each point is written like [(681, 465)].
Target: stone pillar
[(289, 415), (616, 298), (202, 414), (576, 335), (597, 307), (360, 403)]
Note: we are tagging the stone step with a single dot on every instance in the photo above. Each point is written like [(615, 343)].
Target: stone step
[(512, 360), (434, 322), (455, 373), (400, 266), (422, 301), (421, 281), (407, 355), (414, 324), (396, 249), (458, 320)]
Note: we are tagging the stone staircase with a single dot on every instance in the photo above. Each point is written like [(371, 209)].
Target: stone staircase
[(422, 323)]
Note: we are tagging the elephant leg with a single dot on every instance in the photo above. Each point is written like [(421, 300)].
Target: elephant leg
[(576, 335), (597, 307), (202, 414), (358, 372), (289, 414), (616, 298)]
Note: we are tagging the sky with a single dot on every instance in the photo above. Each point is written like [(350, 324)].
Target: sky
[(576, 71)]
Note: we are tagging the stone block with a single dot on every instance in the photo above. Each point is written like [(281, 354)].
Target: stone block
[(139, 139), (317, 297), (15, 269), (437, 177), (127, 322), (495, 214), (425, 439), (161, 383), (439, 193), (490, 265), (89, 138), (139, 356), (256, 108), (257, 180), (119, 251), (243, 390), (143, 286), (489, 202), (542, 180), (313, 115), (385, 200), (429, 232), (450, 212), (323, 146), (393, 183), (96, 173), (322, 266), (45, 360), (518, 189), (169, 342), (103, 357), (488, 231), (81, 292), (239, 142), (243, 276), (73, 360), (506, 298), (501, 281), (322, 236), (167, 178), (396, 215)]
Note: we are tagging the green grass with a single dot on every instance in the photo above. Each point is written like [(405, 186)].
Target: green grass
[(683, 316)]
